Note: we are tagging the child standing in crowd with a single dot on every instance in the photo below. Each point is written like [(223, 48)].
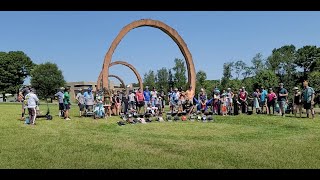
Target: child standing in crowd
[(224, 105)]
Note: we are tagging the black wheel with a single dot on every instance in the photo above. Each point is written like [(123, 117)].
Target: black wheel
[(49, 117)]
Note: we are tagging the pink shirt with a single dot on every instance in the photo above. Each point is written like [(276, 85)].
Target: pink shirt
[(271, 96)]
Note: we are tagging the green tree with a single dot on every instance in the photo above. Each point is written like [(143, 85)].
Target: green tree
[(201, 78), (163, 76), (149, 79), (170, 79), (239, 67), (267, 79), (180, 73), (227, 69), (285, 57), (15, 66), (314, 80), (46, 78), (308, 57), (258, 63)]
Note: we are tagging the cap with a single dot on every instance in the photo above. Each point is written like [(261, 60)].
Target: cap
[(295, 88), (80, 89), (176, 89), (147, 87), (62, 88), (280, 84)]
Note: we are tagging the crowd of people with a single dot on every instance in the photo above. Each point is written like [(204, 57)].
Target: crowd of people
[(225, 102)]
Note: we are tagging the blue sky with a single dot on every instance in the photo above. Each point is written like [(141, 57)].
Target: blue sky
[(78, 41)]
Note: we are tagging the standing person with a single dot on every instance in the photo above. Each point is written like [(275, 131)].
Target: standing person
[(67, 104), (162, 95), (147, 98), (32, 101), (107, 102), (125, 102), (230, 101), (224, 104), (132, 100), (256, 100), (174, 98), (216, 101), (189, 97), (263, 98), (236, 104), (297, 101), (88, 99), (243, 100), (282, 98), (154, 94), (22, 97), (271, 98), (308, 99), (60, 95), (140, 100), (80, 100)]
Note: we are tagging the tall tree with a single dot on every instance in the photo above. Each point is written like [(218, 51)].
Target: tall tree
[(170, 80), (283, 60), (239, 67), (46, 78), (149, 79), (180, 73), (308, 58), (201, 78), (258, 63), (15, 66), (162, 79), (227, 69), (266, 78)]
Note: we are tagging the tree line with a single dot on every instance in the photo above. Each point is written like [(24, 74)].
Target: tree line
[(16, 66), (286, 64)]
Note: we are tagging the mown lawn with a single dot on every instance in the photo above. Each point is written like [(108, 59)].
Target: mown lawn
[(256, 141)]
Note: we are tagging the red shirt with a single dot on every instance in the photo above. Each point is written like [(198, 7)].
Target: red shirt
[(243, 95), (139, 96)]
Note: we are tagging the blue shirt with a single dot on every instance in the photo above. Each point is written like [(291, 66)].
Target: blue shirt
[(147, 95), (60, 96), (263, 95)]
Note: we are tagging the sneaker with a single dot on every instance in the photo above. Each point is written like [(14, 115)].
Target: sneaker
[(67, 119)]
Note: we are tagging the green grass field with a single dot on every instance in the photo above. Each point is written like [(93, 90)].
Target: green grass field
[(256, 141)]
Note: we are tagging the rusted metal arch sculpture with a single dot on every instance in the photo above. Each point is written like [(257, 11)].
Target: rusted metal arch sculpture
[(155, 24), (124, 64), (121, 80)]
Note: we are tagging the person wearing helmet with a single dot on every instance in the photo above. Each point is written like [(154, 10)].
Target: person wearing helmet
[(297, 101)]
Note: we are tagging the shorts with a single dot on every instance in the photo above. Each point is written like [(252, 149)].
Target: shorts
[(146, 103), (67, 106), (307, 106), (81, 107), (282, 103), (61, 106), (262, 103), (140, 104)]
